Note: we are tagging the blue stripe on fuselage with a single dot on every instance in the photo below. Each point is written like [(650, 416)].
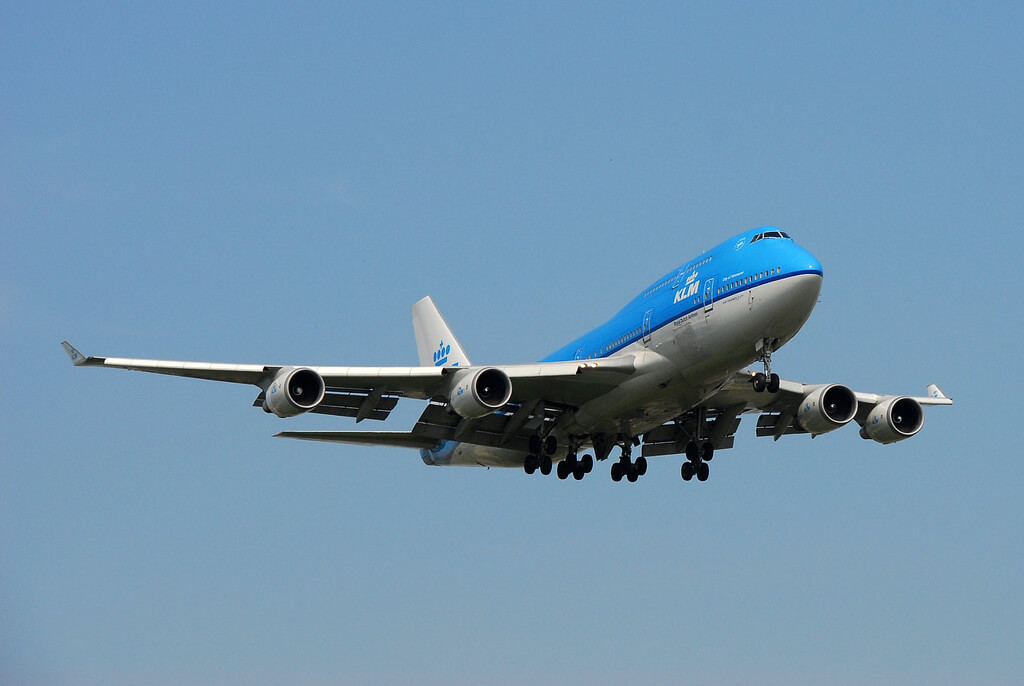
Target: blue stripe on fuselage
[(729, 263)]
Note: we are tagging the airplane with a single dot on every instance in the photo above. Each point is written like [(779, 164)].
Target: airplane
[(668, 374)]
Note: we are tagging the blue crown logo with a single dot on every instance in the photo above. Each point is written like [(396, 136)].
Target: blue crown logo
[(441, 356)]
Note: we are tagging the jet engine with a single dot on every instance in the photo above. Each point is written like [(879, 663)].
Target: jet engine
[(893, 420), (477, 393), (293, 391), (827, 408)]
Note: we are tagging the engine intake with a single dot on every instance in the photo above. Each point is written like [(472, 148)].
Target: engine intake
[(827, 408), (894, 420), (477, 393), (293, 391)]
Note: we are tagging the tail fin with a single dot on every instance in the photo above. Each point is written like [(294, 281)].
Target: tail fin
[(435, 342)]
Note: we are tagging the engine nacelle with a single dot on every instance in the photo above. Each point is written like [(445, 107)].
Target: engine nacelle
[(477, 393), (893, 420), (293, 391), (827, 408)]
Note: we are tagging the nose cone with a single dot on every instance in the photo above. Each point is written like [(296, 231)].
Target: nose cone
[(804, 262)]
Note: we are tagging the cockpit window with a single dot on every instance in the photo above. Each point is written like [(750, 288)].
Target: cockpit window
[(769, 234)]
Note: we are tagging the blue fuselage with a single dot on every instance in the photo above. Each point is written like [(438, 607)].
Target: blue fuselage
[(733, 268)]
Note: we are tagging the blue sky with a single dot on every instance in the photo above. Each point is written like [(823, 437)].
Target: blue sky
[(270, 184)]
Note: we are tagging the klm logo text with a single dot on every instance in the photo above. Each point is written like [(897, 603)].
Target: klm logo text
[(689, 289)]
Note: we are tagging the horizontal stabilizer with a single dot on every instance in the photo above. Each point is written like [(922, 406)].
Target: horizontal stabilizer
[(399, 439)]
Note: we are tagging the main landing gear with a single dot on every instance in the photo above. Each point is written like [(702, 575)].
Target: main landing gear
[(626, 466), (697, 458), (539, 458), (541, 451), (766, 381), (578, 467)]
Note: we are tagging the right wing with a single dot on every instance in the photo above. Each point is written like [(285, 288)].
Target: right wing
[(718, 417)]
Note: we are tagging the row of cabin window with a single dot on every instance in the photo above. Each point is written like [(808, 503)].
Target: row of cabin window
[(681, 271), (750, 279), (620, 341)]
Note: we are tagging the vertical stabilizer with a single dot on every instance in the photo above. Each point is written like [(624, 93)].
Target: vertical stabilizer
[(435, 342)]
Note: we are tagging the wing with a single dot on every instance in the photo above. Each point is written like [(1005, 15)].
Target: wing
[(372, 392), (399, 439), (797, 408)]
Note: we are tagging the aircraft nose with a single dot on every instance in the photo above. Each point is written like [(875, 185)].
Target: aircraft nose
[(807, 263)]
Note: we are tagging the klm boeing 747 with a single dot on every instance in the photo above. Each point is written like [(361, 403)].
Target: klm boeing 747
[(669, 374)]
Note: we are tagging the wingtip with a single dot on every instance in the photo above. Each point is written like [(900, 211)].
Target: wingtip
[(76, 357)]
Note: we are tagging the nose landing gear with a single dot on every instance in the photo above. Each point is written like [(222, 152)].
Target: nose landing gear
[(766, 381)]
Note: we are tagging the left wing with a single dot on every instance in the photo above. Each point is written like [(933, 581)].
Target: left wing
[(797, 408), (372, 392)]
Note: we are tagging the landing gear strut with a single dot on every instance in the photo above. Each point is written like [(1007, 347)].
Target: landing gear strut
[(766, 381)]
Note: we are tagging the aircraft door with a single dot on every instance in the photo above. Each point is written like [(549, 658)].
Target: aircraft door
[(709, 295), (647, 326)]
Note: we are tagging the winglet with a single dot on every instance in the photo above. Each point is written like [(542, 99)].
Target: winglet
[(936, 393), (77, 358)]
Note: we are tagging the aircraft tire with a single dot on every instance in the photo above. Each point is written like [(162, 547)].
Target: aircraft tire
[(686, 471), (707, 452), (588, 463), (759, 383), (703, 471), (617, 472), (641, 465), (773, 383), (692, 451), (563, 470), (578, 473), (545, 465)]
